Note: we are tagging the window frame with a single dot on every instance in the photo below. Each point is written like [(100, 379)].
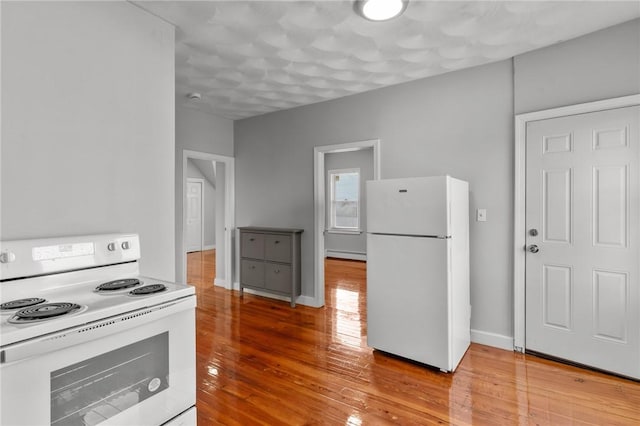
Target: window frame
[(332, 228)]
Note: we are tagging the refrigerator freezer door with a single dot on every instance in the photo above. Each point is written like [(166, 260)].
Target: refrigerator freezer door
[(410, 206), (407, 298)]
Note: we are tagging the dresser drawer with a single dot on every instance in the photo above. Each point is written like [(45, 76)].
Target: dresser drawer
[(277, 277), (277, 248), (252, 273), (252, 245)]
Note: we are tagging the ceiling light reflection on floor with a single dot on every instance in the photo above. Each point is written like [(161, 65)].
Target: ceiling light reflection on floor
[(354, 420)]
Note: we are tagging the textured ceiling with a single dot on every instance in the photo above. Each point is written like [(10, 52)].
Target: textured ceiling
[(248, 58)]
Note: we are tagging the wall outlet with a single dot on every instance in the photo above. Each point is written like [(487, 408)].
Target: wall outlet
[(481, 215)]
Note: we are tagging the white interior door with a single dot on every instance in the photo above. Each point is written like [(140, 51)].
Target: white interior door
[(582, 215), (194, 215)]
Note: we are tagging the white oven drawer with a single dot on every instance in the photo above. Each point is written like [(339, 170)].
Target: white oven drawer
[(143, 374)]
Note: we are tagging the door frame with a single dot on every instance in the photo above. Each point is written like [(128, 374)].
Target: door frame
[(201, 182), (320, 211), (519, 224), (229, 211)]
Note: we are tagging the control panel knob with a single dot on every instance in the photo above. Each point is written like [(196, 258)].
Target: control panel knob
[(111, 246), (126, 245), (7, 257)]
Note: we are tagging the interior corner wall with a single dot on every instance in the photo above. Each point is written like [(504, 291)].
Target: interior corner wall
[(601, 65), (88, 125), (460, 123), (202, 132)]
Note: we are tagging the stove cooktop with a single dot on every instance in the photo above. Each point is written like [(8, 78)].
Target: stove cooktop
[(59, 308)]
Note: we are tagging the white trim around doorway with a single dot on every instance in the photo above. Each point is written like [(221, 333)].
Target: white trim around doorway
[(519, 224), (320, 210), (229, 212)]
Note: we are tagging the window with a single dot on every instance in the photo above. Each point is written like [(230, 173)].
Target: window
[(344, 205)]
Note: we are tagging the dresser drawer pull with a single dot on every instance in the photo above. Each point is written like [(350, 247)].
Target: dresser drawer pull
[(253, 267), (277, 242), (252, 239), (277, 271)]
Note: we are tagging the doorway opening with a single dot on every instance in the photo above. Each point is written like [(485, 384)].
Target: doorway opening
[(208, 213), (321, 212)]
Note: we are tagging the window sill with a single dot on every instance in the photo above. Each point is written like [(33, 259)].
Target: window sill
[(345, 231)]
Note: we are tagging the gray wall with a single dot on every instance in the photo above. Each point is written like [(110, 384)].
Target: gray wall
[(440, 125), (363, 160), (88, 124), (209, 201), (197, 131), (459, 123), (601, 65)]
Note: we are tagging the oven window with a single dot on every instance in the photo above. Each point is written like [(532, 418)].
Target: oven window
[(91, 391)]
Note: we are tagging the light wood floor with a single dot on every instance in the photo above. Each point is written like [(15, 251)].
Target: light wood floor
[(259, 361)]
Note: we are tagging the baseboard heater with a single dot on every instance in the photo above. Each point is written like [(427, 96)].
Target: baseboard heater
[(346, 254)]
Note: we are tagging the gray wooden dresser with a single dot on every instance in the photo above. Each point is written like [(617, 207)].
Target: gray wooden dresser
[(270, 260)]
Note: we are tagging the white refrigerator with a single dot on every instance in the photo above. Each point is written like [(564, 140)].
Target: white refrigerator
[(418, 304)]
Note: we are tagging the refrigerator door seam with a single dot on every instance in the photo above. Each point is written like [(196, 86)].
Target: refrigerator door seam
[(441, 237)]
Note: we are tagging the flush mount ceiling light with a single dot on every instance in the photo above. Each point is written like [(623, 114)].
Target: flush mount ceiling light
[(380, 10)]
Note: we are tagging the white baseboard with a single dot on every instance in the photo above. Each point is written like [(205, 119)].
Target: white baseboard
[(219, 282), (191, 250), (300, 300), (266, 294), (345, 255), (492, 339), (308, 301)]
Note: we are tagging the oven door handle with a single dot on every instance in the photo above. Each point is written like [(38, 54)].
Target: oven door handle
[(94, 330)]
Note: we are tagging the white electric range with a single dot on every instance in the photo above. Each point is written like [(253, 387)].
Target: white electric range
[(86, 340)]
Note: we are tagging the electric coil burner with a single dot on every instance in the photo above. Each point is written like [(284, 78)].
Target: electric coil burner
[(43, 312), (148, 289), (21, 303), (118, 285)]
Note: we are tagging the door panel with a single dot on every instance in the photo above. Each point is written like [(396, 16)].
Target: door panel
[(582, 286), (557, 290), (610, 207), (556, 197)]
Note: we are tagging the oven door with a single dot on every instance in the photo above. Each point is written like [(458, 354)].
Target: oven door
[(133, 369)]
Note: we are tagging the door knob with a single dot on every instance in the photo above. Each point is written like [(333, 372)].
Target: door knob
[(533, 248)]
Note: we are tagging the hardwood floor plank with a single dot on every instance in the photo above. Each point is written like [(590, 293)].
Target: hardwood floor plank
[(261, 362)]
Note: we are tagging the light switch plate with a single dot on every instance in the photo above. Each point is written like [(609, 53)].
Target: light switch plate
[(481, 215)]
